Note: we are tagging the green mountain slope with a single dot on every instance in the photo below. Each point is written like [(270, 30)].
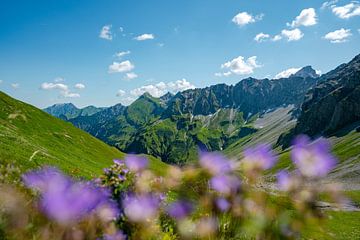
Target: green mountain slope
[(30, 137)]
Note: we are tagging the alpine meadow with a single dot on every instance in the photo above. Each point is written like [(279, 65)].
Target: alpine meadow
[(179, 120)]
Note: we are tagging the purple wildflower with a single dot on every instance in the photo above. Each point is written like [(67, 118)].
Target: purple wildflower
[(225, 184), (140, 208), (62, 199), (260, 156), (312, 159), (180, 209), (136, 163), (215, 163), (222, 204), (284, 180), (119, 162), (121, 177)]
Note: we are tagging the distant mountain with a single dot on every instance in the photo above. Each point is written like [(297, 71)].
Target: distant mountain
[(249, 96), (332, 104), (115, 125), (173, 127), (68, 111), (305, 72)]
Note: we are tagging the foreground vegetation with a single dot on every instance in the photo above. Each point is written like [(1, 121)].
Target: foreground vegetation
[(218, 199)]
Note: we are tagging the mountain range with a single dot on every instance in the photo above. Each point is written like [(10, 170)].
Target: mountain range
[(173, 127)]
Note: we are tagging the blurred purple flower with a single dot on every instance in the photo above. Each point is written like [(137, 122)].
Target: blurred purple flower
[(40, 180), (225, 184), (284, 180), (117, 236), (312, 159), (215, 163), (62, 199), (121, 177), (260, 156), (141, 208), (222, 204), (180, 209), (136, 163), (119, 162)]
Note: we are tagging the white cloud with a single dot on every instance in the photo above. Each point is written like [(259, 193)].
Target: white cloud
[(286, 73), (70, 95), (180, 85), (347, 11), (244, 18), (261, 37), (63, 89), (292, 35), (105, 32), (161, 88), (125, 66), (50, 86), (276, 38), (240, 66), (15, 85), (120, 93), (79, 86), (122, 54), (306, 18), (59, 79), (161, 44), (338, 36), (328, 4), (130, 76), (143, 37)]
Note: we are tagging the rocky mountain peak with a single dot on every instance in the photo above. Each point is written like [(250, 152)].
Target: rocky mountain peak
[(306, 72)]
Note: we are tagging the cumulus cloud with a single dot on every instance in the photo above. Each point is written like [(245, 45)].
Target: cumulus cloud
[(79, 86), (347, 11), (261, 37), (120, 93), (240, 66), (286, 73), (292, 35), (146, 36), (122, 54), (105, 32), (244, 18), (276, 38), (328, 4), (338, 36), (15, 85), (50, 86), (119, 67), (130, 76), (64, 90), (161, 88), (306, 18)]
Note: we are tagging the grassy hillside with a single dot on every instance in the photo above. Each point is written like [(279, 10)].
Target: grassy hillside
[(30, 137)]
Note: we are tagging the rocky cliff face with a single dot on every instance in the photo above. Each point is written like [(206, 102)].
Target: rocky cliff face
[(333, 103), (248, 96)]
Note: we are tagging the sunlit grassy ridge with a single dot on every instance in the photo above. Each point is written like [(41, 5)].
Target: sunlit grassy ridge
[(30, 137)]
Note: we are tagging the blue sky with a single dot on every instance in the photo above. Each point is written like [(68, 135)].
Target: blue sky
[(54, 51)]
